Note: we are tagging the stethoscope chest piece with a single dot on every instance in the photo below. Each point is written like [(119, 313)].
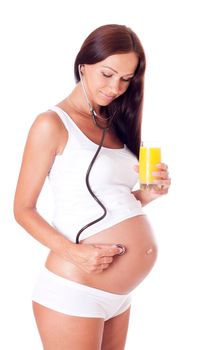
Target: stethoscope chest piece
[(122, 247)]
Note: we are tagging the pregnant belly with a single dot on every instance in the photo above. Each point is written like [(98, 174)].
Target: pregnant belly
[(126, 271)]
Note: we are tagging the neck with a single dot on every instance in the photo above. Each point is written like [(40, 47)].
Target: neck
[(77, 101)]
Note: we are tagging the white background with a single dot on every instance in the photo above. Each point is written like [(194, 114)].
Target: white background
[(173, 308)]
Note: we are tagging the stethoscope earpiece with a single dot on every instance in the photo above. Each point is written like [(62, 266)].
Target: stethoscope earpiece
[(92, 111), (80, 69)]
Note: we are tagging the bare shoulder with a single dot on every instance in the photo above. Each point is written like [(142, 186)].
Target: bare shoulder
[(48, 121), (48, 128)]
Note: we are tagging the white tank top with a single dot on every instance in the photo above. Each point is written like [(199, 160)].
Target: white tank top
[(112, 179)]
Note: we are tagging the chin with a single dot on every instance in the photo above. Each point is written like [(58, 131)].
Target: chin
[(101, 103), (105, 100)]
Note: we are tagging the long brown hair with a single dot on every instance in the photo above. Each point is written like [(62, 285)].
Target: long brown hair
[(105, 41)]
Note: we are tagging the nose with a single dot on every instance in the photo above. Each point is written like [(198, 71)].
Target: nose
[(115, 87)]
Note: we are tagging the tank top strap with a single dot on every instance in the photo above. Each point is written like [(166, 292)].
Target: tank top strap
[(76, 136), (62, 116)]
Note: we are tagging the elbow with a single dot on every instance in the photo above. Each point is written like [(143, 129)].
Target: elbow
[(20, 212), (17, 212), (17, 208)]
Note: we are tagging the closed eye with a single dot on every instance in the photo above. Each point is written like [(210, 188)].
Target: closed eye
[(127, 80), (110, 75), (106, 75)]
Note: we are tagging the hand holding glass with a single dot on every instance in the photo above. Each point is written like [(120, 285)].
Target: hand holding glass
[(149, 157)]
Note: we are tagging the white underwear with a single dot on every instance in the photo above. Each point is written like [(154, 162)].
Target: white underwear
[(75, 299)]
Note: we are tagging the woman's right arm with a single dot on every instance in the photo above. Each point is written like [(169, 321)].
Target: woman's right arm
[(38, 157), (41, 147)]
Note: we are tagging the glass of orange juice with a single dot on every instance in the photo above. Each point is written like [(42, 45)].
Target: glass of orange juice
[(149, 157)]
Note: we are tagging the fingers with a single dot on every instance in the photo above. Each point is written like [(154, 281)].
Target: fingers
[(105, 254), (123, 249), (106, 260), (162, 174), (162, 180), (166, 183), (163, 171), (94, 258), (162, 166), (101, 268), (136, 167), (109, 250)]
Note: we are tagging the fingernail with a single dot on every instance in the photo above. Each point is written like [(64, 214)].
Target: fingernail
[(120, 249), (118, 246)]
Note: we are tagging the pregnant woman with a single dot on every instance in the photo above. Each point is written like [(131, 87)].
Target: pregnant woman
[(101, 243)]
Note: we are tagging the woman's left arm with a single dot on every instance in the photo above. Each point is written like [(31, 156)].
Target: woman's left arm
[(162, 181)]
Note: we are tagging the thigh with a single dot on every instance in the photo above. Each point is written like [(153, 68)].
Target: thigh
[(115, 332), (63, 332)]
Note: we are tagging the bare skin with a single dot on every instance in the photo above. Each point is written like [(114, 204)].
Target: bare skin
[(63, 332), (141, 251), (94, 262)]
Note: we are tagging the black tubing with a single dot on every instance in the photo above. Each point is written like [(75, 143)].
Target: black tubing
[(90, 190)]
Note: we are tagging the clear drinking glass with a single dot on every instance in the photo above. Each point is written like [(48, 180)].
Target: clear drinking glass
[(149, 157)]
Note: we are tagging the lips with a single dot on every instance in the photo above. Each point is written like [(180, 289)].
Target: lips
[(107, 97)]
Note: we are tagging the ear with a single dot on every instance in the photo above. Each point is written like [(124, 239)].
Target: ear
[(82, 67)]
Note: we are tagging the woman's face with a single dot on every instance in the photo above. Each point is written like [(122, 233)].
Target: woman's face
[(110, 78)]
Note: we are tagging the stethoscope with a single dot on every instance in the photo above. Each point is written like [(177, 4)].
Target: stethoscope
[(104, 129)]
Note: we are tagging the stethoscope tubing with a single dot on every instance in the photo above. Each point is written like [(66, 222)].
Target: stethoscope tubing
[(91, 192), (104, 129)]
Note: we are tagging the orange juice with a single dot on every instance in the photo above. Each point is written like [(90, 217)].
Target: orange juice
[(148, 158)]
